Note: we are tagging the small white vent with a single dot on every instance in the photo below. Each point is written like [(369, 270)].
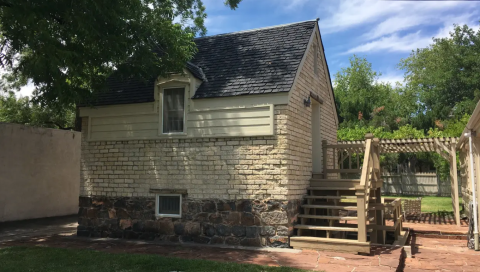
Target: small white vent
[(168, 205)]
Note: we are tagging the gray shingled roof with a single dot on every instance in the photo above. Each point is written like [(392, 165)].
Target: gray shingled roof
[(257, 61)]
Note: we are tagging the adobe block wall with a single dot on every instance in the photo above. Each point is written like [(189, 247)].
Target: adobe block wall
[(300, 124)]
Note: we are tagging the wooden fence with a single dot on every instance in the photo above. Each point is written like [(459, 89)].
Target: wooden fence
[(416, 184)]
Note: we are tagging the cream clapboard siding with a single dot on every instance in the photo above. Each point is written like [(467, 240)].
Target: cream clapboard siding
[(253, 121), (121, 122), (142, 126)]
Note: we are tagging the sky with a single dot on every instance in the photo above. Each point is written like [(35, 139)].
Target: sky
[(384, 32)]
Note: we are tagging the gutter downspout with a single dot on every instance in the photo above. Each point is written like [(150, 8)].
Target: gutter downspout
[(474, 194)]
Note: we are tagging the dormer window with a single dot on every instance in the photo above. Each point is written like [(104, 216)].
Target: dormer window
[(173, 117)]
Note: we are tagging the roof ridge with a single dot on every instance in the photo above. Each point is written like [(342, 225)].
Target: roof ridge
[(257, 29)]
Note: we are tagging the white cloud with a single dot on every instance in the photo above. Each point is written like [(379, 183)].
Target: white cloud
[(294, 4), (392, 78), (410, 41), (390, 16), (395, 24), (392, 43)]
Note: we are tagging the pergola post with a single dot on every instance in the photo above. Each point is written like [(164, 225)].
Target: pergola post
[(476, 153), (454, 181)]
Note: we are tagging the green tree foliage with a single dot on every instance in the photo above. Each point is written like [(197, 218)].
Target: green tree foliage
[(24, 111), (68, 48), (355, 90), (445, 76), (362, 99)]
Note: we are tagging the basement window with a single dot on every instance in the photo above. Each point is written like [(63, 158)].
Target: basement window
[(168, 205)]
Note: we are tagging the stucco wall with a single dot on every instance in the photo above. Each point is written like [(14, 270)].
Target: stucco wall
[(40, 172)]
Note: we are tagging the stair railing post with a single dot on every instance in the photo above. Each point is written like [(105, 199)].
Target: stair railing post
[(361, 190)]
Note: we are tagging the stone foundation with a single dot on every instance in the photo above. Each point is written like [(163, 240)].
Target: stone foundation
[(240, 222)]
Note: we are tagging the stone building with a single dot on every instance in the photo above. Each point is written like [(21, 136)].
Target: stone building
[(220, 154)]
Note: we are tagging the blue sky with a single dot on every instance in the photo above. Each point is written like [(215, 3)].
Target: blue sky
[(382, 31)]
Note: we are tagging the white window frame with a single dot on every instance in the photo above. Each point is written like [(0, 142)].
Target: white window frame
[(157, 214), (185, 98)]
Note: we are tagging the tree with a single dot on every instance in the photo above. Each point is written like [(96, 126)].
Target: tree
[(24, 111), (445, 76), (68, 48), (362, 99)]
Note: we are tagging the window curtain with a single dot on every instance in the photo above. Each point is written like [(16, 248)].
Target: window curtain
[(173, 110)]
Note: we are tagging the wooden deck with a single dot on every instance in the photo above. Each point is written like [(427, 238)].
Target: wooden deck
[(329, 223)]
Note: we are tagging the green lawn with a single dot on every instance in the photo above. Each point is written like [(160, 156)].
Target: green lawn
[(434, 204), (430, 204), (14, 259)]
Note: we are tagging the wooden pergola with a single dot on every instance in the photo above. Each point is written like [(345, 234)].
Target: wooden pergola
[(446, 147)]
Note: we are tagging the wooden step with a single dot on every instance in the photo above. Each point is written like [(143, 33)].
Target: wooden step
[(335, 180), (329, 197), (327, 217), (317, 243), (335, 183), (312, 227), (331, 188), (332, 207)]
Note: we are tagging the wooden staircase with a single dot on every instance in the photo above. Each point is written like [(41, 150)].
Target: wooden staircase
[(337, 214)]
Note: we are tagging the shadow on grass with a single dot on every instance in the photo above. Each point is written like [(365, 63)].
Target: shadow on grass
[(56, 253), (433, 218)]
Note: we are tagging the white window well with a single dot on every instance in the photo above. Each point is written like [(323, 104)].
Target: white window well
[(168, 205), (173, 104)]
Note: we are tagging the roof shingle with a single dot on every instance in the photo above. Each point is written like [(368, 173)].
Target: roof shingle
[(258, 61)]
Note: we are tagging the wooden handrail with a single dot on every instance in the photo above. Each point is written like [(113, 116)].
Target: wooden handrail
[(366, 162), (370, 171)]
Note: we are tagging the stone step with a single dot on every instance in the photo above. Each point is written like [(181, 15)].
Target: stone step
[(329, 217), (331, 207), (312, 227)]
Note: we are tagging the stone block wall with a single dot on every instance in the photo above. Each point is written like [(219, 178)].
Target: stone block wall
[(241, 190), (209, 168), (300, 124), (229, 222)]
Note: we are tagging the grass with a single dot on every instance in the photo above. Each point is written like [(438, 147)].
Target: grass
[(14, 259), (430, 204), (434, 204)]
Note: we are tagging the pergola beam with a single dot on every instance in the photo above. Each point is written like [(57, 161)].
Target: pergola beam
[(445, 147)]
